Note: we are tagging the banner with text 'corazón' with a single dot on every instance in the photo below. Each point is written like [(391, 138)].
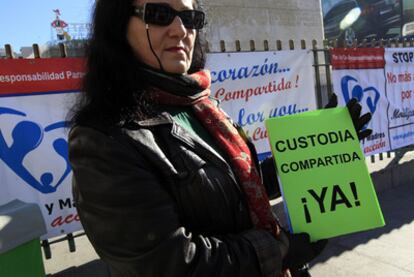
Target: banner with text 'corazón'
[(254, 86), (35, 95)]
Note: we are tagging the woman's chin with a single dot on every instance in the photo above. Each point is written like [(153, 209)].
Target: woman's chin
[(176, 68)]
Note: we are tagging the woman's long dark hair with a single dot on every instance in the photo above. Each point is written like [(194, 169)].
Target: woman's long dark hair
[(112, 88)]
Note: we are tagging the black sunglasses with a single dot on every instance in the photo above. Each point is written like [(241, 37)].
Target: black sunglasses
[(162, 14)]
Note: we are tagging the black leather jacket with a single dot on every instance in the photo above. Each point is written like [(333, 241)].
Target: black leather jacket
[(155, 200)]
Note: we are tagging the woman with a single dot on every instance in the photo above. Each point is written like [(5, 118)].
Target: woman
[(164, 184)]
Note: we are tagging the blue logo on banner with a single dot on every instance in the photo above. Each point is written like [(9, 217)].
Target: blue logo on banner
[(358, 92), (27, 136)]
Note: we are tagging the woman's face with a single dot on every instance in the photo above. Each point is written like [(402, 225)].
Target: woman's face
[(173, 44)]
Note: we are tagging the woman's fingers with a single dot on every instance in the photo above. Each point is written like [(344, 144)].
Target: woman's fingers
[(354, 109), (333, 101), (365, 133), (362, 121), (319, 245), (359, 121)]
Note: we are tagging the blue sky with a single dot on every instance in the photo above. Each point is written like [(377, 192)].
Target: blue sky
[(24, 22)]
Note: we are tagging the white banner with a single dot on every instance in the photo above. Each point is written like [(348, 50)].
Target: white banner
[(254, 86), (383, 82), (368, 86), (35, 96), (34, 164), (399, 72)]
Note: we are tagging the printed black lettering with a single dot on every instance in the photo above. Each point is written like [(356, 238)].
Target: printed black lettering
[(293, 146), (49, 208), (302, 142), (338, 198), (294, 166), (320, 198), (285, 168), (65, 203), (312, 137), (328, 160), (306, 211), (333, 137), (394, 58), (322, 139), (348, 135), (320, 162), (304, 164), (277, 146)]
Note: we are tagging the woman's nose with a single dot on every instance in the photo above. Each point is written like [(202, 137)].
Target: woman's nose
[(177, 28)]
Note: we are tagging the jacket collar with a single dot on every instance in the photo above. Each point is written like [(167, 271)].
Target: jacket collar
[(178, 132), (160, 119)]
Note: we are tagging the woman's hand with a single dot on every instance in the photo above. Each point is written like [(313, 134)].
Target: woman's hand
[(359, 121), (354, 109), (301, 250)]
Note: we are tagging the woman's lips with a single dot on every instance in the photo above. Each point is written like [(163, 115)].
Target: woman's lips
[(176, 50)]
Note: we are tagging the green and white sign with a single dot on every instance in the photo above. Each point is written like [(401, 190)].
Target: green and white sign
[(324, 180)]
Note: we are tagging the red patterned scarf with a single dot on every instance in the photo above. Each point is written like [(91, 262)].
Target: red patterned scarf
[(194, 90)]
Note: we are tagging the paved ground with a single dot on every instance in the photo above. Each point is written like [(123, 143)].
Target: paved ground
[(388, 251)]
